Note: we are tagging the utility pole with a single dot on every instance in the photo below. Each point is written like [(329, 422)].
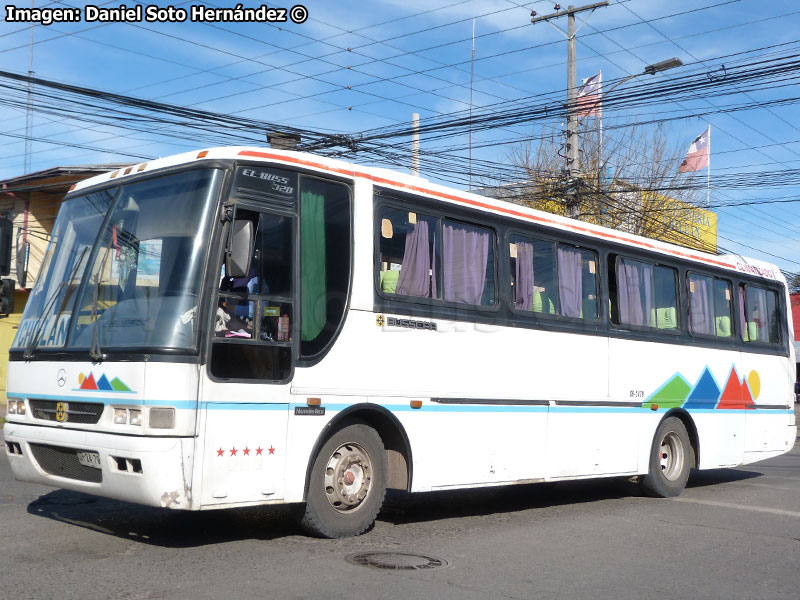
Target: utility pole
[(572, 90), (415, 144)]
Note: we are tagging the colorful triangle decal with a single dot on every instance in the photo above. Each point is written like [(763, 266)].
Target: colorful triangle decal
[(118, 386), (89, 383), (103, 384), (705, 393)]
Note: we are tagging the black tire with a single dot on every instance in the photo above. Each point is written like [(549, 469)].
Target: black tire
[(347, 484), (671, 458)]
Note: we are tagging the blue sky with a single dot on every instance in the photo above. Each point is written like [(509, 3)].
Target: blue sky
[(404, 57)]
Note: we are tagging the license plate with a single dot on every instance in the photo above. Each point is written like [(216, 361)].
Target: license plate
[(89, 459)]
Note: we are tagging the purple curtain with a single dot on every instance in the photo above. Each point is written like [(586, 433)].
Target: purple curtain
[(699, 307), (742, 318), (464, 255), (635, 307), (760, 315), (415, 274), (570, 282), (523, 290)]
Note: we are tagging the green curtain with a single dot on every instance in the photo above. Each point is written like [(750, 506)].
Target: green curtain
[(312, 265)]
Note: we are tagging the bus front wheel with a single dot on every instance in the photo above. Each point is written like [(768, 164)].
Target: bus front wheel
[(347, 484), (670, 460)]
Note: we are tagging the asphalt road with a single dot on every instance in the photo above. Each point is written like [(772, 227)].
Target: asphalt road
[(733, 533)]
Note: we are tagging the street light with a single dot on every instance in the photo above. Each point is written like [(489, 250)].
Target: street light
[(664, 65)]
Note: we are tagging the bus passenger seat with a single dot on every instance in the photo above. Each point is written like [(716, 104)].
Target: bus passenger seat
[(723, 327), (389, 281), (542, 304), (666, 318)]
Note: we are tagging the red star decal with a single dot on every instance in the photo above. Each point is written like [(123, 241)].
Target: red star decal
[(220, 452), (233, 452), (258, 451), (271, 450), (246, 451)]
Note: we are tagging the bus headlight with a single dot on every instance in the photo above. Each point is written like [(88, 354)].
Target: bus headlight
[(135, 416), (162, 418), (16, 407), (120, 416)]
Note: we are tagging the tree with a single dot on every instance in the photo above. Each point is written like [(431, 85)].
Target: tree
[(627, 178), (794, 284)]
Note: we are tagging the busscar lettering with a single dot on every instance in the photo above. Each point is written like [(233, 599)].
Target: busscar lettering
[(42, 16), (410, 324)]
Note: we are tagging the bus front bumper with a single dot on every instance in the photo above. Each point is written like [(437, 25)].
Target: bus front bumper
[(154, 471)]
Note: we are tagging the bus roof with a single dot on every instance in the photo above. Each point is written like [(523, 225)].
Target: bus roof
[(421, 186)]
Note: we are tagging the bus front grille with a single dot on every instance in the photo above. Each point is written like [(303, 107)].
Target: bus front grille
[(84, 413), (63, 462)]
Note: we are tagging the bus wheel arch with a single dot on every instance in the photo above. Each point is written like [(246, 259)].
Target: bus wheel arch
[(394, 437)]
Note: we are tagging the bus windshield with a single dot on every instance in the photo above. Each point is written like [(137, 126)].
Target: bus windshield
[(124, 268)]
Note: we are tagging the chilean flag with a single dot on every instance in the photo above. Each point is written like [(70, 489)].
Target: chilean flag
[(589, 100), (697, 155)]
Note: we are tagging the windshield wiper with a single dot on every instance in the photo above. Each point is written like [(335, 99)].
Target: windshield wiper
[(95, 352), (40, 327)]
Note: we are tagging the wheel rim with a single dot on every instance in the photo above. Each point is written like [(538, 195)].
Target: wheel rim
[(348, 477), (671, 456)]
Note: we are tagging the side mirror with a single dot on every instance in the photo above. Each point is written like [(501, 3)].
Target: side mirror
[(237, 261), (6, 229), (23, 251)]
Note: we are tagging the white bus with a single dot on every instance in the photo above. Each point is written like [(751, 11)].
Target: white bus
[(241, 326)]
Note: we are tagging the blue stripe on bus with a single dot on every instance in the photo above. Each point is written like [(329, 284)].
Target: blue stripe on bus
[(243, 406), (450, 408)]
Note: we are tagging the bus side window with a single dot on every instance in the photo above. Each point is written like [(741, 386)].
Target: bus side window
[(533, 275), (646, 295), (325, 251), (408, 247), (254, 313), (709, 306), (468, 264), (758, 314), (577, 283), (723, 308)]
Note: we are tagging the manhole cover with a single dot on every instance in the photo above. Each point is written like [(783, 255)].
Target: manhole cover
[(397, 561)]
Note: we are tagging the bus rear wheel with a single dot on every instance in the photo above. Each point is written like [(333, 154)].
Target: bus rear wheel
[(670, 460), (347, 484)]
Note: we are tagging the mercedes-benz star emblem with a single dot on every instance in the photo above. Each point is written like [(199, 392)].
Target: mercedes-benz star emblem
[(61, 378)]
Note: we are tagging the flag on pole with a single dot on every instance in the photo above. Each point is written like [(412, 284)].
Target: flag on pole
[(697, 155), (589, 101)]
